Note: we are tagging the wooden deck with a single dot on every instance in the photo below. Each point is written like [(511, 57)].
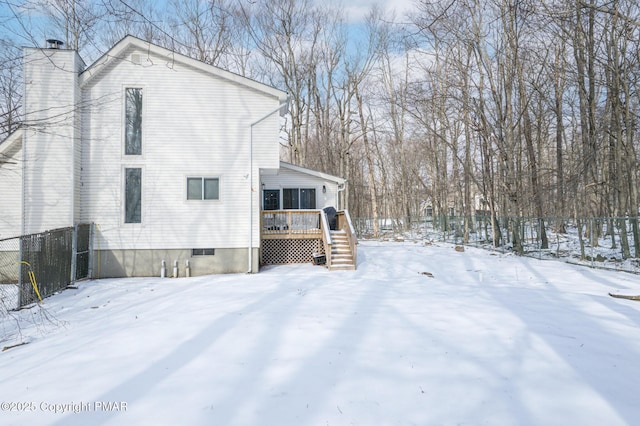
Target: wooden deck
[(295, 236)]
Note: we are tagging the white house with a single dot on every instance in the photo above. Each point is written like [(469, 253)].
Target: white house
[(171, 159)]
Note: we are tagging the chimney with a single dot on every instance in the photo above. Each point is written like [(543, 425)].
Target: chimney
[(51, 138), (52, 43)]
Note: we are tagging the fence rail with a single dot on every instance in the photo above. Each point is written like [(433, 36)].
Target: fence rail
[(605, 242), (55, 258)]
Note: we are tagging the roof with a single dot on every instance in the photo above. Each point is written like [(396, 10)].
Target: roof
[(285, 165), (121, 50), (11, 144)]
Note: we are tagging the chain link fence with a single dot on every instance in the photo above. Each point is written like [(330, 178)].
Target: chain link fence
[(9, 274), (602, 242), (33, 267)]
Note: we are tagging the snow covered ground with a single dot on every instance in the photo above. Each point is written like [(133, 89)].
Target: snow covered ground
[(488, 339)]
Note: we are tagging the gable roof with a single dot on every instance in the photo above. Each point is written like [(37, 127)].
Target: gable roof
[(10, 145), (121, 50), (325, 176)]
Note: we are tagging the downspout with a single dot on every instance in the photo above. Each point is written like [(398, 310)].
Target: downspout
[(341, 187), (284, 105), (23, 185), (23, 200), (76, 129)]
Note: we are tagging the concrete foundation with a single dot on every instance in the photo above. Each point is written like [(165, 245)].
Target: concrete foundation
[(147, 263)]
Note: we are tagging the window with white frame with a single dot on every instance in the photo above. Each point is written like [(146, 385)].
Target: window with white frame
[(203, 188), (133, 195), (299, 198), (133, 121)]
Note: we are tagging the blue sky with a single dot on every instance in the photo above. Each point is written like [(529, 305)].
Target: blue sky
[(11, 28), (358, 9)]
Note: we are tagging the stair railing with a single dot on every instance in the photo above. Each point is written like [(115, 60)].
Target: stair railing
[(344, 222), (326, 237)]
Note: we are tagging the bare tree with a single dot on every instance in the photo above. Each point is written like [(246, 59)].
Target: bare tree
[(75, 20), (286, 33), (201, 30), (10, 88), (357, 75), (140, 18)]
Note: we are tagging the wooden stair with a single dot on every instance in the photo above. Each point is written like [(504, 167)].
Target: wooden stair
[(341, 256)]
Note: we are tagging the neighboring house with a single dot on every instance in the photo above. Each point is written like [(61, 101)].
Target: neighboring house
[(170, 158)]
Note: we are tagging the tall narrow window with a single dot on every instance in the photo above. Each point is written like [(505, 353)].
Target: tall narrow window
[(133, 196), (133, 121), (290, 199), (307, 198)]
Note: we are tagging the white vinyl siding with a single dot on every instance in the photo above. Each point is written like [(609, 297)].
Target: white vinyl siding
[(194, 124), (51, 160)]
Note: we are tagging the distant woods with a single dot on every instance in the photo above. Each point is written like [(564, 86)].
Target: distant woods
[(509, 108)]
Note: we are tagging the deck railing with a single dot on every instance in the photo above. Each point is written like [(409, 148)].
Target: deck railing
[(291, 224), (307, 224)]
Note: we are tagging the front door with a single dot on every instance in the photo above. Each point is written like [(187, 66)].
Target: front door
[(271, 199)]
